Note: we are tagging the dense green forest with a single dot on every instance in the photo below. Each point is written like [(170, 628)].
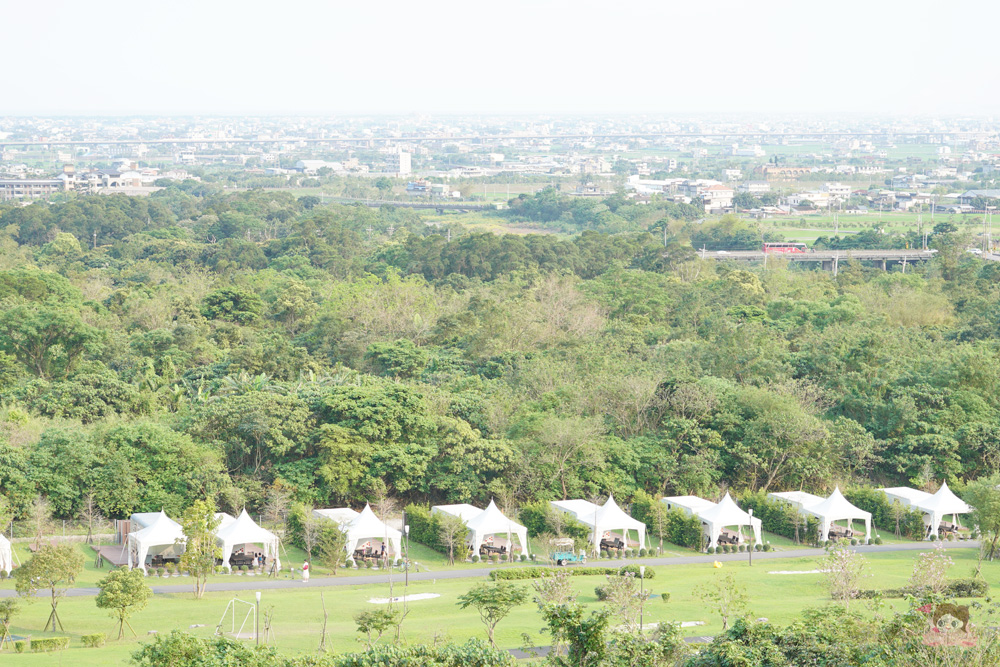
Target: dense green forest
[(201, 342)]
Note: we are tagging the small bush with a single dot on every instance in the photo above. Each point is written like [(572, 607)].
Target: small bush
[(742, 548), (628, 553), (643, 553), (933, 537), (602, 593), (757, 547), (160, 571), (767, 546), (476, 558), (968, 588), (634, 569), (4, 574), (47, 644), (503, 558), (665, 597), (95, 640), (854, 542), (877, 540), (524, 558), (20, 645)]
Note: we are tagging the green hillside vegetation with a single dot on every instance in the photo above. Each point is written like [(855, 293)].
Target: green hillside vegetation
[(210, 344)]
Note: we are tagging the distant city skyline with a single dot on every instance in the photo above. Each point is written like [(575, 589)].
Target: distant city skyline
[(516, 57)]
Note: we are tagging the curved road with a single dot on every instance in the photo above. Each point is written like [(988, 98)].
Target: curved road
[(261, 583)]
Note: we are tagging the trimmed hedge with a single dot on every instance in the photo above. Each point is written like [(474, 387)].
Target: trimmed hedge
[(959, 588), (20, 645), (46, 644), (537, 572), (540, 517), (95, 640), (911, 523), (678, 527), (780, 518), (425, 528)]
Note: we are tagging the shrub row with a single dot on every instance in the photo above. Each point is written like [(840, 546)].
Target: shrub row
[(42, 644), (733, 549), (959, 588), (540, 517), (537, 572), (911, 522), (46, 644), (425, 528)]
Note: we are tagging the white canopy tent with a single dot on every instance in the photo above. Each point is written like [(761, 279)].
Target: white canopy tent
[(224, 519), (716, 516), (6, 555), (828, 510), (362, 526), (941, 504), (160, 532), (244, 530), (935, 506), (491, 521), (602, 519)]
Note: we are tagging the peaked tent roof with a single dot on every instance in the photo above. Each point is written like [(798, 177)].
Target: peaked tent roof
[(244, 530), (224, 519), (836, 506), (727, 513), (163, 527), (369, 524), (944, 502), (492, 521), (612, 515)]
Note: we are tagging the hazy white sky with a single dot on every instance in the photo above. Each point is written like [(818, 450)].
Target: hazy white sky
[(458, 56)]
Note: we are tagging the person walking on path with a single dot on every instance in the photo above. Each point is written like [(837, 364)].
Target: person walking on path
[(305, 571)]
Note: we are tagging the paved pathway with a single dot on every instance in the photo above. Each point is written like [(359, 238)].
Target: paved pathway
[(260, 583)]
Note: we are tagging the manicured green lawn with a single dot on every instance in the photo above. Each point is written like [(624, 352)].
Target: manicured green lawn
[(298, 613)]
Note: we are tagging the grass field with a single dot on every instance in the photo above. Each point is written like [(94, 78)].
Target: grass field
[(298, 613)]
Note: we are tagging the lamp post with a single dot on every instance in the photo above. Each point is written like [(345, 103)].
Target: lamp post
[(642, 594), (750, 550), (256, 618)]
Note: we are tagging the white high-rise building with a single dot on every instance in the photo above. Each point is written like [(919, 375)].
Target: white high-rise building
[(398, 163)]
